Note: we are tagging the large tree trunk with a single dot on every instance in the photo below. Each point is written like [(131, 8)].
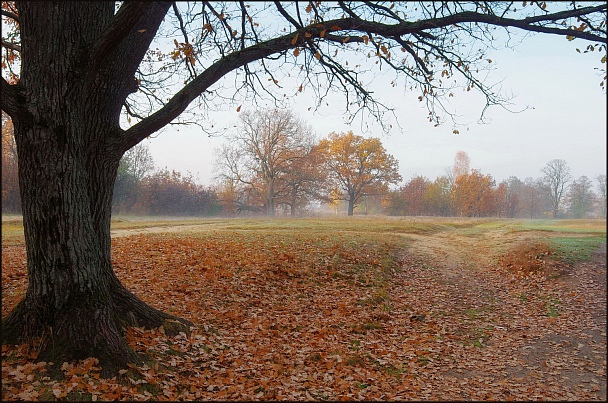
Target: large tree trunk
[(292, 207), (270, 207), (69, 148), (73, 295)]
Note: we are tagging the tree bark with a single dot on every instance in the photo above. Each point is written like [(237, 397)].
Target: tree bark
[(351, 204), (69, 146), (74, 299)]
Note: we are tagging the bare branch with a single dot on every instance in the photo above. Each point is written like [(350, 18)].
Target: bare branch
[(182, 28), (12, 46), (13, 16), (350, 26), (181, 23), (180, 101), (286, 15)]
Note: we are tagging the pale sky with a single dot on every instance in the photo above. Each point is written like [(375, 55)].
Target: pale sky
[(565, 119)]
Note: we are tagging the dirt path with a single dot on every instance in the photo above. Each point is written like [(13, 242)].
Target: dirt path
[(155, 230), (533, 338)]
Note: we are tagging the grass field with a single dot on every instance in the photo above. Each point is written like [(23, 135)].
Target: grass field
[(363, 308)]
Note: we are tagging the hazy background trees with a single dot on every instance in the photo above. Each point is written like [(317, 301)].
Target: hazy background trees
[(134, 166), (171, 193), (297, 169), (461, 164), (268, 154), (140, 188), (274, 163), (556, 182), (466, 192), (11, 201), (303, 180), (601, 179), (273, 160), (581, 197)]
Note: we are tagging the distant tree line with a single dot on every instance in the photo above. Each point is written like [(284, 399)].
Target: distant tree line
[(273, 162), (142, 190), (470, 193), (139, 189), (11, 201), (273, 165)]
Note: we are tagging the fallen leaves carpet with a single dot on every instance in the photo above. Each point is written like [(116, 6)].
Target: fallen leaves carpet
[(333, 318)]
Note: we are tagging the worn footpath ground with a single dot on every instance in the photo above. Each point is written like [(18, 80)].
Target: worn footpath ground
[(539, 337)]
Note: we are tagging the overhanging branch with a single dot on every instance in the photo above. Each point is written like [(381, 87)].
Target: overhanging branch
[(10, 15), (180, 101), (350, 26)]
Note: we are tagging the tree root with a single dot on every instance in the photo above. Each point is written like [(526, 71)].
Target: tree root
[(85, 327)]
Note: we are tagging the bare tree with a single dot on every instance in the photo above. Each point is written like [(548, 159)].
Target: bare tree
[(134, 165), (556, 182), (74, 68), (580, 197), (601, 187), (264, 154)]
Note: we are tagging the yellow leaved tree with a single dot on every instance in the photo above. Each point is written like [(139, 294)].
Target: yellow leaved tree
[(357, 166)]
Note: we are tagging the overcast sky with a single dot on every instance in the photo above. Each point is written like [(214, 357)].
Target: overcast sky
[(565, 119)]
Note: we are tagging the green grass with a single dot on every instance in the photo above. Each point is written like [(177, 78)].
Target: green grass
[(575, 249), (592, 226), (385, 225), (12, 233), (480, 226), (553, 308)]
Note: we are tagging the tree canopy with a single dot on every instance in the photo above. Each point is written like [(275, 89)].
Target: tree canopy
[(184, 50), (356, 167)]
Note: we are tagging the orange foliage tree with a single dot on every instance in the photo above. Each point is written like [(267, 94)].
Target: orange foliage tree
[(357, 166), (473, 194), (415, 192), (409, 199)]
